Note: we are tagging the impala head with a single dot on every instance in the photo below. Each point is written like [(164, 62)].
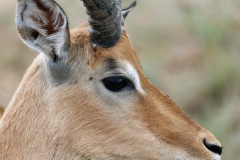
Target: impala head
[(87, 82)]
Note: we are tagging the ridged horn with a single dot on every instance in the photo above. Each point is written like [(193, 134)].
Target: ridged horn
[(105, 18)]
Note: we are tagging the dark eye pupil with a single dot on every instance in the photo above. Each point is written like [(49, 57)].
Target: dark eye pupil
[(115, 84)]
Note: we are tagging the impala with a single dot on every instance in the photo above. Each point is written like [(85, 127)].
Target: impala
[(86, 97)]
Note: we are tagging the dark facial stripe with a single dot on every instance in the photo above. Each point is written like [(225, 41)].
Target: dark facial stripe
[(111, 64)]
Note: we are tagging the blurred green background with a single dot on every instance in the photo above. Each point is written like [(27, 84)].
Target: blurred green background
[(188, 48)]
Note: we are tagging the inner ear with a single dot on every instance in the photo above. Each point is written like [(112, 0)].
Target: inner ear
[(43, 26)]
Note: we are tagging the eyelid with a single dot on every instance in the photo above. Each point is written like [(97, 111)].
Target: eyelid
[(114, 74)]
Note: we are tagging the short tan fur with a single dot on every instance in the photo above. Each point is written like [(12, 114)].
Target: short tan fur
[(63, 110)]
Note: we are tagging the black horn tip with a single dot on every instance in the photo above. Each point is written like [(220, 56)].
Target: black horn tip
[(132, 5), (126, 10)]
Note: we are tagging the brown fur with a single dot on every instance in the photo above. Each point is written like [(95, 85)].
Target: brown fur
[(79, 119)]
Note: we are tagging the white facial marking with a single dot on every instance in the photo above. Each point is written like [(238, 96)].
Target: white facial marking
[(131, 71)]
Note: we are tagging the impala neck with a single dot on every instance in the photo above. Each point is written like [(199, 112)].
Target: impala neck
[(36, 121)]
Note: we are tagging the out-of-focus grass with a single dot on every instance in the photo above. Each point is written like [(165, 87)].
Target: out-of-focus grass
[(188, 48)]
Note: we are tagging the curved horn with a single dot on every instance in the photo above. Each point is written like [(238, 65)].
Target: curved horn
[(105, 18)]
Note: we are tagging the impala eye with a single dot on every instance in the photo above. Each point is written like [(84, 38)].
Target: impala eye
[(116, 83)]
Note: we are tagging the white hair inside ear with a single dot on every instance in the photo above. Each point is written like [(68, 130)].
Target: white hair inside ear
[(43, 26)]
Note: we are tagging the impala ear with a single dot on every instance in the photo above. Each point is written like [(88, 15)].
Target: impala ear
[(43, 26)]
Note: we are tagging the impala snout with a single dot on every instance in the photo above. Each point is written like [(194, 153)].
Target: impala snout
[(210, 144), (172, 126)]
